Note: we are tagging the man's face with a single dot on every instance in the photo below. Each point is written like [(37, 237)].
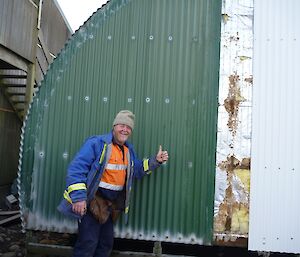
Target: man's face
[(121, 133)]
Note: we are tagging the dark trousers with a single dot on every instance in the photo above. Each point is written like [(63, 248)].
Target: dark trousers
[(94, 239)]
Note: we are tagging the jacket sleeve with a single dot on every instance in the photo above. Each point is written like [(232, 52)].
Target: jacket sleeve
[(143, 167), (78, 171)]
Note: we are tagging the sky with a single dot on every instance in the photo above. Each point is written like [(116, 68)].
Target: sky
[(78, 11)]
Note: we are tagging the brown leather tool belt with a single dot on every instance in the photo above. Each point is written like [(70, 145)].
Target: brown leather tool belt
[(101, 209)]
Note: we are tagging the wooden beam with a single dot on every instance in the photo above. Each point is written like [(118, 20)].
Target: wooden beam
[(6, 110), (49, 249), (10, 219), (12, 58), (15, 91), (30, 86), (44, 47), (8, 212)]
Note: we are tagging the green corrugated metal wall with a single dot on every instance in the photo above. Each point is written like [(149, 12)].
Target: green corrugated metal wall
[(160, 59)]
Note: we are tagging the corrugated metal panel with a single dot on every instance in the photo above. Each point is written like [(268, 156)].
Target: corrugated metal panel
[(231, 212), (160, 59), (274, 203), (17, 20)]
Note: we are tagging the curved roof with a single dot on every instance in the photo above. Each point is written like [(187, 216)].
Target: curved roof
[(160, 59)]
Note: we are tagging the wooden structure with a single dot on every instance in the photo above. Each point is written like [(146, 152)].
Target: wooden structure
[(32, 33)]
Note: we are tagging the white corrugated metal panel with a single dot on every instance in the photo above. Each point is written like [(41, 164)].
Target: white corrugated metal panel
[(275, 172)]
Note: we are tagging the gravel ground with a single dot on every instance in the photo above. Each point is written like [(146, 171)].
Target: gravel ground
[(12, 241)]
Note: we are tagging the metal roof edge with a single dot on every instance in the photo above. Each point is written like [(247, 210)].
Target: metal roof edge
[(111, 7), (63, 15)]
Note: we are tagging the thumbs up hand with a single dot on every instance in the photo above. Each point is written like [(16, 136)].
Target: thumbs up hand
[(162, 156)]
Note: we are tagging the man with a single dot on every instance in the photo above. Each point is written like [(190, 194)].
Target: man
[(99, 182)]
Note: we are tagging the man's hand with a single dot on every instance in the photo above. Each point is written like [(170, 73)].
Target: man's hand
[(162, 156), (79, 207)]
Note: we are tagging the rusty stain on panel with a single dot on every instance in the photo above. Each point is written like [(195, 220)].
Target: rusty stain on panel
[(231, 212), (235, 37), (234, 211), (249, 80), (232, 102)]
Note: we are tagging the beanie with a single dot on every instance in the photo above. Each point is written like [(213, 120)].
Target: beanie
[(125, 117)]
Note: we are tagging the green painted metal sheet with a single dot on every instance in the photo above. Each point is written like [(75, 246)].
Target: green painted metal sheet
[(160, 59)]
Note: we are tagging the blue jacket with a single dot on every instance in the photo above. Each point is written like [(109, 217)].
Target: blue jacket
[(87, 167)]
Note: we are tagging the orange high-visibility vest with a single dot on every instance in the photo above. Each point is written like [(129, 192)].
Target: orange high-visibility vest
[(114, 175)]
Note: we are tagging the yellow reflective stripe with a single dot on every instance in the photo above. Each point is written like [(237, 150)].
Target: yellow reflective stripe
[(146, 164), (126, 209), (102, 154), (67, 197), (78, 186)]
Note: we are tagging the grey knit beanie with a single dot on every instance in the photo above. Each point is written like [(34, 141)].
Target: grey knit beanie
[(125, 117)]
